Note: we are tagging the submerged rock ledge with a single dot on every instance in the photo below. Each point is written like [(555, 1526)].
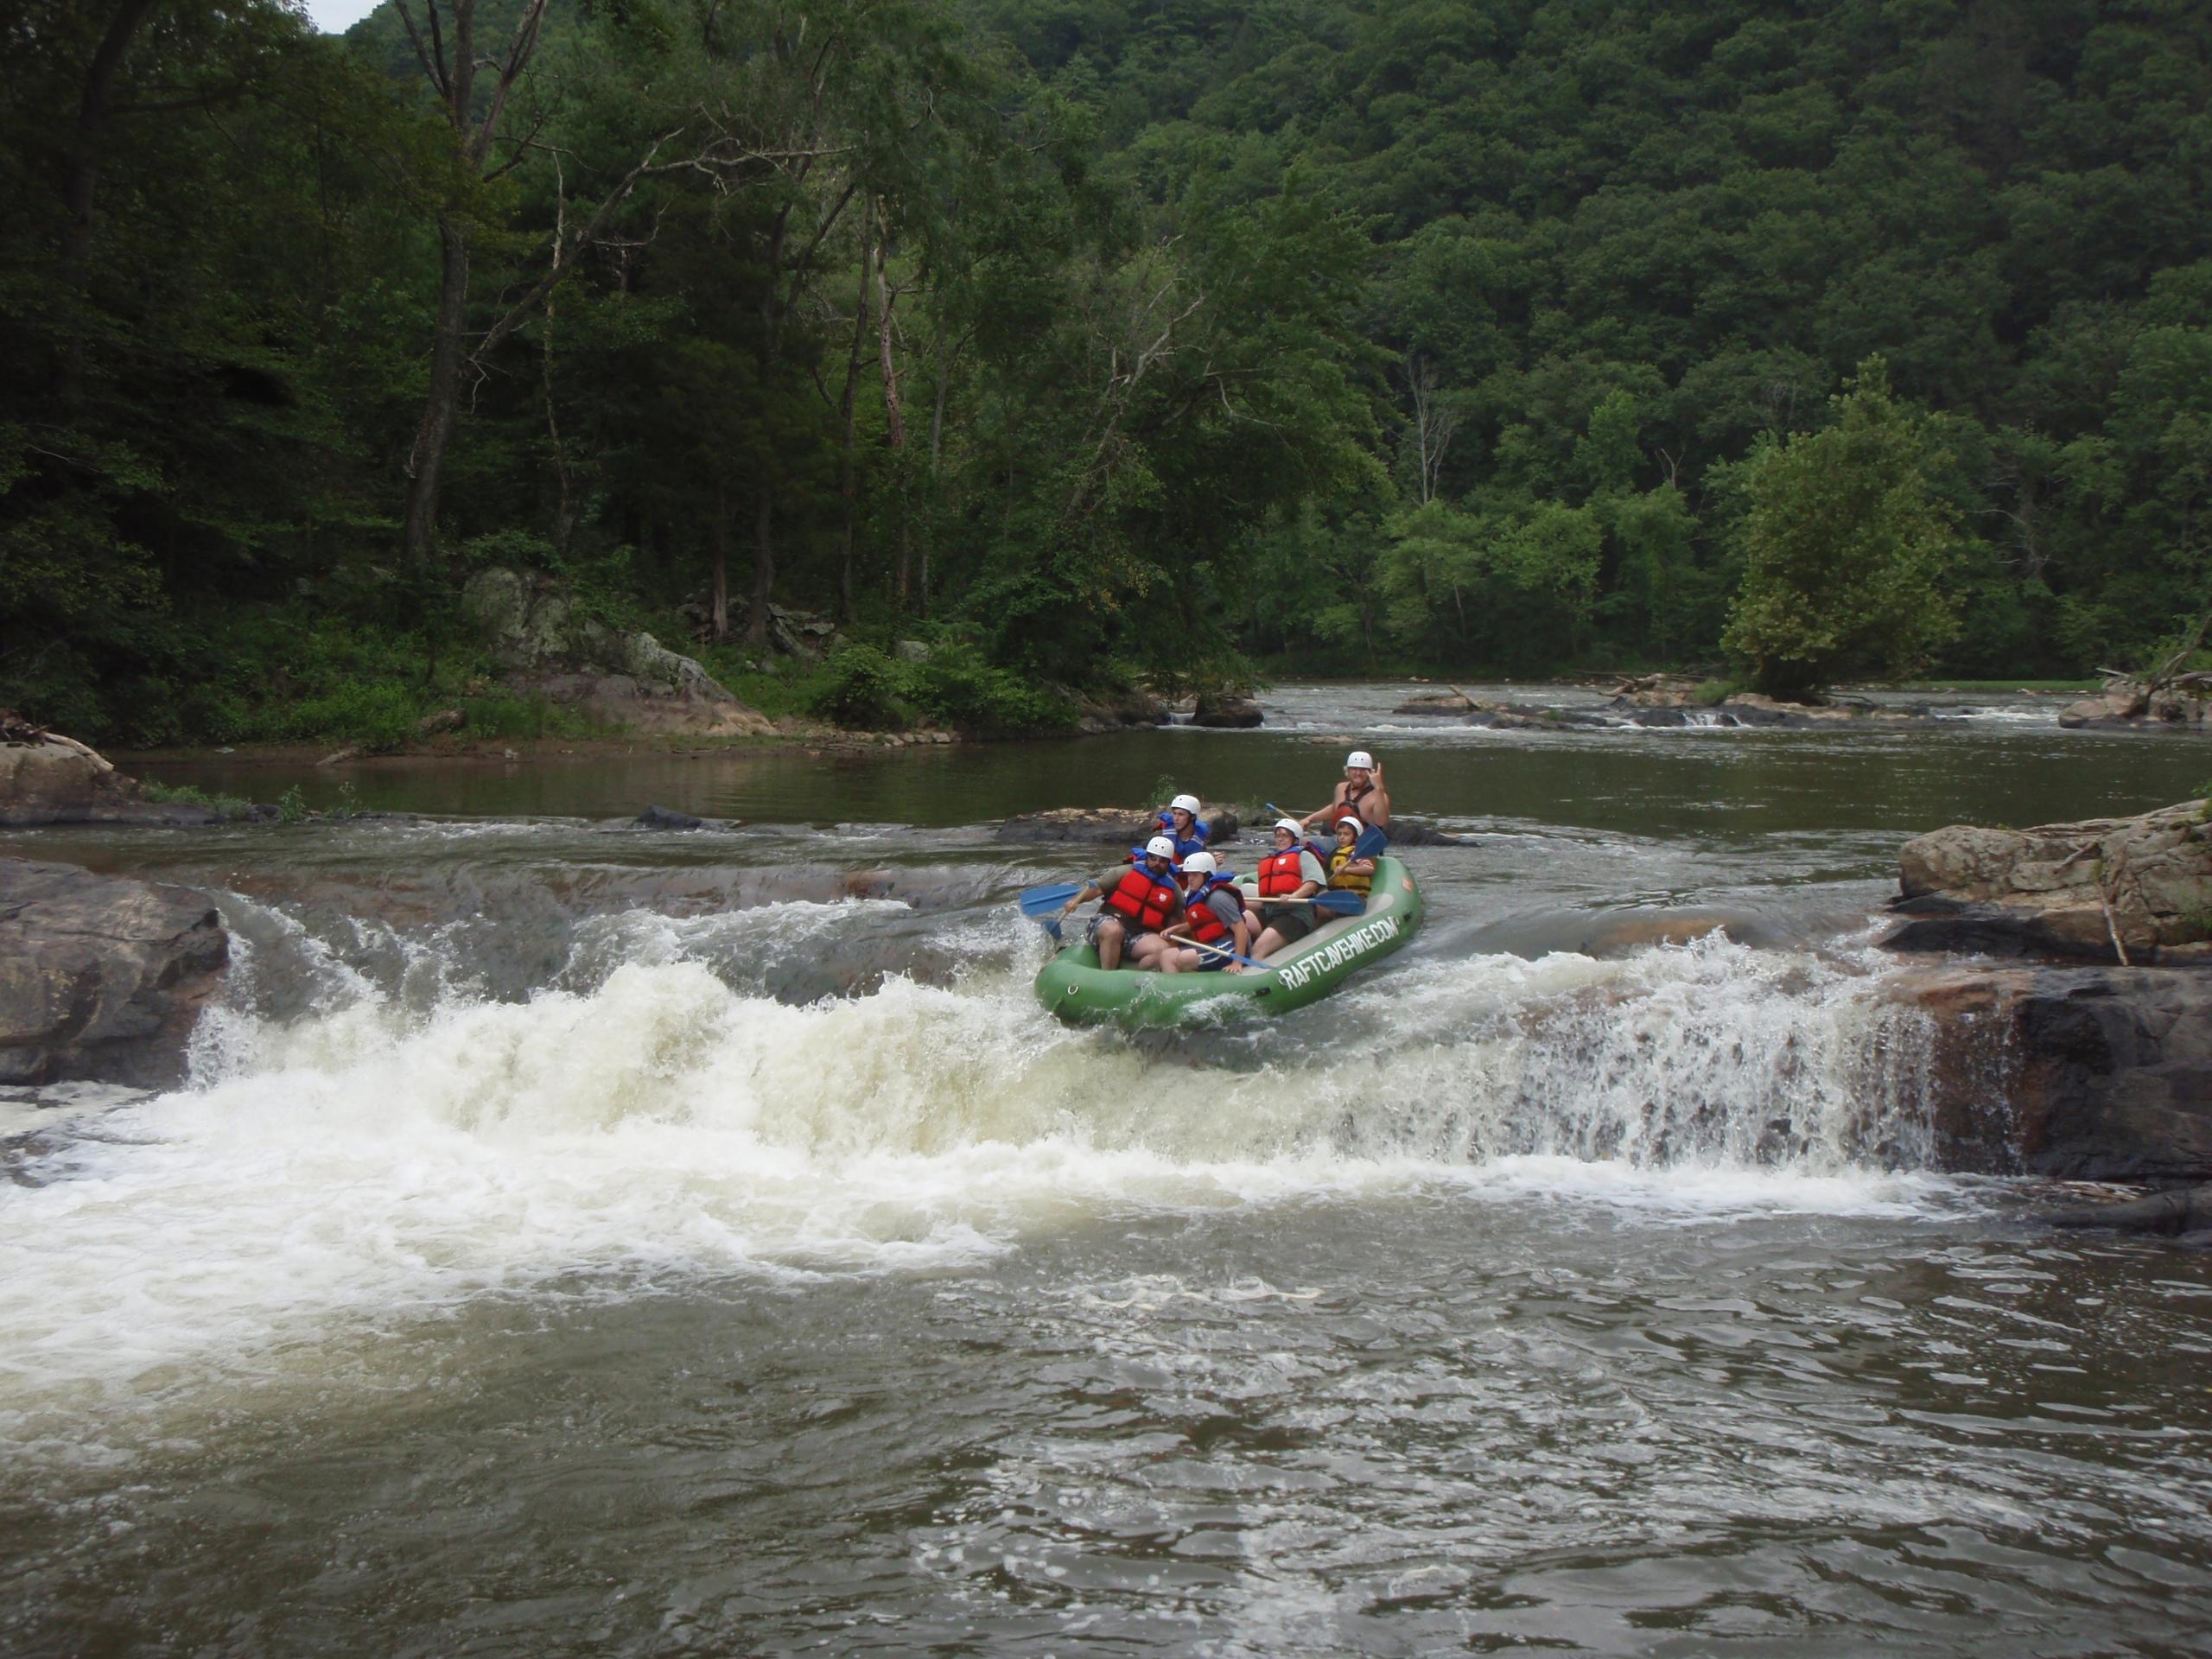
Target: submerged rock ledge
[(101, 976)]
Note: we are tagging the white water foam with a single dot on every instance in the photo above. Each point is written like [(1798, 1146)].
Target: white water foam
[(375, 1161)]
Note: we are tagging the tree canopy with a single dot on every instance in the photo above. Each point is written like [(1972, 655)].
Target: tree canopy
[(1099, 336)]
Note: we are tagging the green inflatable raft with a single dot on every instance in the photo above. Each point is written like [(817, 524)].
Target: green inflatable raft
[(1073, 986)]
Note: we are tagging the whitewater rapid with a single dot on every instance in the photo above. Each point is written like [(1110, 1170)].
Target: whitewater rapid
[(653, 1118)]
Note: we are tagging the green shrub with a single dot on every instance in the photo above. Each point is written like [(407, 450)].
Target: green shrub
[(955, 687), (214, 714), (862, 691), (1711, 694), (291, 806), (502, 714), (375, 716)]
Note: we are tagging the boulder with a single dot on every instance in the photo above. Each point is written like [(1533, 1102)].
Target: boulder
[(52, 780), (1221, 709), (1413, 832), (1438, 702), (615, 678), (2184, 1215), (1656, 692), (100, 977), (1755, 709), (2083, 1073), (1113, 711), (1523, 716), (2063, 890), (56, 779), (1098, 826), (661, 817), (2123, 707)]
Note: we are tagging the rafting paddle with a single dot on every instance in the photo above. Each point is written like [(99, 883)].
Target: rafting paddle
[(1041, 901), (1223, 951), (1337, 901)]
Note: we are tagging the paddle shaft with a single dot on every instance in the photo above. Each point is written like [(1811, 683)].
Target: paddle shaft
[(1223, 951)]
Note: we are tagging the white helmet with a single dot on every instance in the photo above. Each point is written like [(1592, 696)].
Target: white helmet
[(1202, 862), (1359, 759), (1291, 824), (1161, 846), (1186, 803)]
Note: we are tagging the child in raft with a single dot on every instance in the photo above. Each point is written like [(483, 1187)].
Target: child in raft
[(1346, 873)]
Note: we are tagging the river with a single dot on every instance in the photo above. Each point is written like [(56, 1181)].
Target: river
[(585, 1240)]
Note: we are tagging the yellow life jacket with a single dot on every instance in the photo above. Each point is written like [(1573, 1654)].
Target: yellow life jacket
[(1347, 881)]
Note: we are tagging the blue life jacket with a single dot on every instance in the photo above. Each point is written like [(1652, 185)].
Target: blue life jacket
[(1185, 845)]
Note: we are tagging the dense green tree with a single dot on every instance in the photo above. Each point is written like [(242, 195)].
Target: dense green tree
[(1849, 552)]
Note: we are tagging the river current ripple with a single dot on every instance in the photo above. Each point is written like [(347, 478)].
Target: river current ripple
[(583, 1240)]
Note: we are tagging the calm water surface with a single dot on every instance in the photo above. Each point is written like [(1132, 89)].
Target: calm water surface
[(583, 1240)]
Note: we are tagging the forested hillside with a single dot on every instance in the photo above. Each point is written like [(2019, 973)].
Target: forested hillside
[(1096, 338)]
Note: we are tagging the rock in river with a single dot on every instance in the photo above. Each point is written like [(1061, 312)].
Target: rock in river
[(100, 977), (54, 779), (1220, 709), (1126, 826), (2184, 1215), (2084, 1073), (2065, 891)]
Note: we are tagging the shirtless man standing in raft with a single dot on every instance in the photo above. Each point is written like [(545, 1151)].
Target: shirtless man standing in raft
[(1361, 795)]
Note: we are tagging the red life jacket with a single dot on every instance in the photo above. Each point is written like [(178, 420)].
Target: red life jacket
[(1279, 874), (1349, 808), (1206, 925), (1137, 897)]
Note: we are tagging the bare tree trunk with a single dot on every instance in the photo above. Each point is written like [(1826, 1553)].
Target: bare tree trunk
[(564, 512), (763, 567), (936, 450), (719, 599), (1435, 424), (894, 414), (849, 463), (78, 185), (419, 533)]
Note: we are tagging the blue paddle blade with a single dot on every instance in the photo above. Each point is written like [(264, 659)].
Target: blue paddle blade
[(1038, 901), (1340, 901), (1052, 926), (1372, 843)]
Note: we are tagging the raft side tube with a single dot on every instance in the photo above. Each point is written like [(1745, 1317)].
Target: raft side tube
[(1074, 986)]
